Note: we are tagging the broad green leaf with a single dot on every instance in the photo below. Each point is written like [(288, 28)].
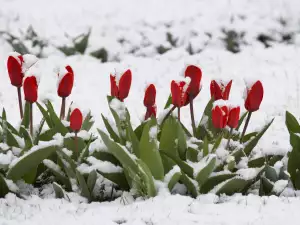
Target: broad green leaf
[(88, 122), (27, 138), (139, 130), (258, 162), (81, 42), (3, 187), (232, 186), (29, 177), (291, 123), (294, 165), (181, 140), (26, 117), (29, 161), (271, 173), (38, 132), (205, 147), (149, 151), (11, 140), (47, 135), (45, 115), (110, 130), (217, 143), (169, 102), (209, 163), (131, 137), (186, 168), (147, 178), (190, 184), (106, 156), (213, 181), (118, 121), (295, 141), (85, 152), (173, 179), (251, 144), (192, 154), (59, 192), (266, 186), (69, 143), (9, 126), (91, 181), (205, 122), (247, 137), (297, 180), (83, 186), (118, 178), (57, 124)]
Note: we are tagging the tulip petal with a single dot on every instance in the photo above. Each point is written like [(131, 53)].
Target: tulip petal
[(195, 74), (15, 71), (30, 89), (114, 90), (150, 95), (254, 97), (76, 120), (124, 85)]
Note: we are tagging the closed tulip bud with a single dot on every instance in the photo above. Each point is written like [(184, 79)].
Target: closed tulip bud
[(195, 74), (30, 86), (14, 68), (220, 89), (150, 95), (76, 119), (233, 117), (179, 93), (254, 96), (65, 82), (120, 86), (219, 116), (151, 112)]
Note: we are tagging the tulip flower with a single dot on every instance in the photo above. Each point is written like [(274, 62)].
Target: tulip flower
[(149, 101), (179, 94), (14, 68), (120, 86), (233, 120), (76, 119), (195, 74), (219, 116), (220, 89), (65, 86), (30, 86), (254, 95)]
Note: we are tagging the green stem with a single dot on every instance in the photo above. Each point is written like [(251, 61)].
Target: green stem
[(246, 125), (76, 144), (179, 114), (192, 115), (230, 134), (20, 102), (168, 114), (62, 109), (31, 120)]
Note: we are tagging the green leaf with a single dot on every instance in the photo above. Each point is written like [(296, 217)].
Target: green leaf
[(39, 131), (106, 156), (117, 178), (83, 186), (297, 180), (295, 141), (232, 186), (192, 154), (190, 184), (91, 181), (29, 161), (27, 138), (59, 192), (247, 137), (169, 102), (88, 122), (26, 117), (58, 125), (139, 130), (271, 173), (251, 144), (186, 168), (3, 187), (45, 115), (85, 152), (205, 122), (217, 143), (47, 135), (149, 151), (173, 179), (131, 137), (182, 142), (110, 130), (205, 146), (294, 166), (9, 126), (11, 140), (258, 162), (147, 178), (213, 181), (266, 186), (81, 42), (69, 143), (210, 163), (29, 177), (291, 123)]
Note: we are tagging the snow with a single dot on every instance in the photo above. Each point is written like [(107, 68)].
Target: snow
[(153, 132), (279, 186), (248, 173), (170, 174), (6, 159), (53, 166), (29, 60), (102, 166)]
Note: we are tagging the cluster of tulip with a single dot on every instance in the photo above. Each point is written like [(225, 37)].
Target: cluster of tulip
[(184, 92), (16, 70)]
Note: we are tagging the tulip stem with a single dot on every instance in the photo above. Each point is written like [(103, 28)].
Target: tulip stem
[(168, 114), (192, 114), (179, 114), (246, 125), (230, 134), (31, 120), (63, 107), (20, 102), (76, 144)]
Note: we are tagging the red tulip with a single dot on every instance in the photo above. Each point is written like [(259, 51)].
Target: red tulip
[(151, 111), (195, 74), (30, 87), (65, 83), (76, 120), (233, 117), (219, 116), (120, 87), (14, 68), (150, 95), (179, 93), (220, 90), (254, 97)]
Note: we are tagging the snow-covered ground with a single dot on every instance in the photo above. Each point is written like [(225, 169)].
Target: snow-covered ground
[(143, 25)]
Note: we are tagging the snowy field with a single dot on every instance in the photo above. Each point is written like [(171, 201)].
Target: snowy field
[(142, 27)]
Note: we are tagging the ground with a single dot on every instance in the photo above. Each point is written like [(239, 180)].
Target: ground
[(132, 32)]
